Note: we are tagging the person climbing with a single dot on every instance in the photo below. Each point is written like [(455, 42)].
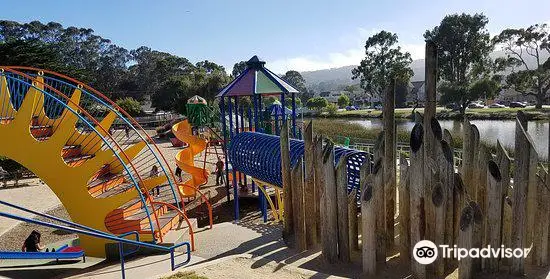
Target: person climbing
[(178, 173), (154, 173), (219, 171), (127, 131), (32, 243)]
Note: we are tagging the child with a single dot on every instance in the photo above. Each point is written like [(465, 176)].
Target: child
[(32, 243), (219, 171), (154, 173), (178, 173)]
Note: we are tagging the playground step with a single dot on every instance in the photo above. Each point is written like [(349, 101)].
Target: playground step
[(107, 185), (77, 160), (71, 151), (41, 131)]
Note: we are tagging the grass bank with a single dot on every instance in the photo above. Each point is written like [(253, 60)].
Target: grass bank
[(337, 130), (444, 114)]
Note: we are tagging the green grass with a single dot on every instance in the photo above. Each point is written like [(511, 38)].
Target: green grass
[(185, 275), (337, 130)]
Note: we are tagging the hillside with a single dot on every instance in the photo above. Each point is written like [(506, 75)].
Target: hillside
[(336, 78)]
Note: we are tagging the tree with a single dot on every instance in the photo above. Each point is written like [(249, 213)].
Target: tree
[(463, 94), (343, 101), (519, 44), (130, 105), (295, 79), (238, 68), (317, 103), (464, 46), (384, 61)]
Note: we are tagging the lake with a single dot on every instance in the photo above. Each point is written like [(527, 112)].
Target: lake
[(489, 130)]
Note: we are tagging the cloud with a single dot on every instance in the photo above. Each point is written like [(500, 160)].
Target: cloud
[(346, 57)]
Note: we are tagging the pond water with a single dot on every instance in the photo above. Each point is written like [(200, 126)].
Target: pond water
[(489, 130)]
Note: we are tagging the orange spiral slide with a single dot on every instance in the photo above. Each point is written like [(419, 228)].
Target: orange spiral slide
[(185, 159)]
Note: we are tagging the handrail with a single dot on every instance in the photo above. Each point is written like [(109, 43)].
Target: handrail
[(110, 237), (191, 233), (94, 128)]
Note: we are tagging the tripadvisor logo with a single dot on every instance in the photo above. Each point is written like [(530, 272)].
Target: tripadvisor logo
[(426, 252)]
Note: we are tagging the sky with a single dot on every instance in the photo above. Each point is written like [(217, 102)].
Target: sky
[(301, 35)]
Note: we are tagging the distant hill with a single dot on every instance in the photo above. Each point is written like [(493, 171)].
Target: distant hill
[(337, 78)]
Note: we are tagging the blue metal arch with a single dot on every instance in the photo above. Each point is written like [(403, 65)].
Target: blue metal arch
[(92, 127), (259, 155)]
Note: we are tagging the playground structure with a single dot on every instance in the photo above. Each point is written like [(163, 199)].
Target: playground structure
[(255, 82), (93, 155), (185, 159), (332, 197)]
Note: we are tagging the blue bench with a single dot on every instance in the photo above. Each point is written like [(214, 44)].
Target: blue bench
[(63, 253)]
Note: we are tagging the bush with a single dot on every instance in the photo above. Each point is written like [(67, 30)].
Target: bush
[(343, 101), (130, 105), (332, 109)]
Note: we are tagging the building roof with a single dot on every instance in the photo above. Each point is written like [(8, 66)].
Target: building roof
[(256, 79)]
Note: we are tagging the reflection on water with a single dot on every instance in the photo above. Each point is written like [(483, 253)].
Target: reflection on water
[(489, 130)]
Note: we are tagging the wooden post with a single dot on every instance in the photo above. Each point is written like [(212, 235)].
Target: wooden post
[(503, 162), (329, 210), (417, 219), (507, 227), (299, 211), (343, 218), (439, 201), (353, 226), (477, 233), (447, 177), (368, 221), (379, 195), (309, 187), (390, 147), (458, 204), (481, 178), (288, 228), (404, 212), (525, 171), (431, 81), (540, 236), (468, 150), (493, 227), (319, 182), (465, 240)]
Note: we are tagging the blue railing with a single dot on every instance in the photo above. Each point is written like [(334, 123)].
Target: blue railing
[(118, 239)]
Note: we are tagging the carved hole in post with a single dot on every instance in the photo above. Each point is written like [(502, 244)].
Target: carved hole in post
[(477, 212), (466, 218), (494, 171), (447, 151), (417, 135), (367, 195), (436, 128), (437, 194), (377, 166), (327, 151)]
